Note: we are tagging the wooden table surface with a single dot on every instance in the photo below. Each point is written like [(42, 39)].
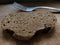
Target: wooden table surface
[(49, 39)]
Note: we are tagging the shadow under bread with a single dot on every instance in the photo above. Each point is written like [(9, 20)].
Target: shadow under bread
[(7, 34), (42, 34)]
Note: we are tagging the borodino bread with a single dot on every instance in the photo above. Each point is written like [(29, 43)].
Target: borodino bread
[(26, 24)]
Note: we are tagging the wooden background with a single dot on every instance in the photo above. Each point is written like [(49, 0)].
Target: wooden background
[(48, 39)]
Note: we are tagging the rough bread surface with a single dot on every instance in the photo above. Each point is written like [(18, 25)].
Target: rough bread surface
[(25, 24)]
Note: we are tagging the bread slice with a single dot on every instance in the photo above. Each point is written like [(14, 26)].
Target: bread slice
[(26, 24)]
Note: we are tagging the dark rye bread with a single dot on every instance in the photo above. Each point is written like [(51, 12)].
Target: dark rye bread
[(26, 24)]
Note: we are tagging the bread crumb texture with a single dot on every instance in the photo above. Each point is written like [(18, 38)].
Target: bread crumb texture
[(27, 23)]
